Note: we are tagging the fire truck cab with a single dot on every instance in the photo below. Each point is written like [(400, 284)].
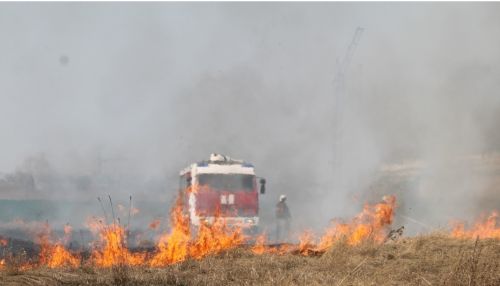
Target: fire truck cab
[(223, 188)]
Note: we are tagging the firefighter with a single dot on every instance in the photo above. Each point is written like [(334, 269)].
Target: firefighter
[(282, 219)]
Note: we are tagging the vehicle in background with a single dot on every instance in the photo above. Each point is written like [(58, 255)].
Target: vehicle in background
[(225, 188)]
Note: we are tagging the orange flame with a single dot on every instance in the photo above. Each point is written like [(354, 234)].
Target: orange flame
[(183, 242), (260, 244), (370, 225), (483, 228), (154, 224), (306, 242), (68, 229), (179, 244), (215, 238), (173, 247), (55, 255), (114, 251), (60, 257)]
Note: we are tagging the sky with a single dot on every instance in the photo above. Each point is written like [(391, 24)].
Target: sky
[(141, 90)]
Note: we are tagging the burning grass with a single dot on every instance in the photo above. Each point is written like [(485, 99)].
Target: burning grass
[(425, 260), (182, 243), (484, 227), (354, 252)]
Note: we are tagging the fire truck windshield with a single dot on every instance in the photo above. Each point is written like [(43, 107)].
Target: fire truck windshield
[(228, 182)]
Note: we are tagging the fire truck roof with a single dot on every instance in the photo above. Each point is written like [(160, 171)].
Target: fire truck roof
[(220, 164)]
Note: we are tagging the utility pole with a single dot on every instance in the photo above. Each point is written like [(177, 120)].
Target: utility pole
[(339, 105)]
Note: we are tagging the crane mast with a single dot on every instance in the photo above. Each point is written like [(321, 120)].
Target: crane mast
[(339, 105)]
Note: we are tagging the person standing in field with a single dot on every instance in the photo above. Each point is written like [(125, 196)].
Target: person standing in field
[(282, 219)]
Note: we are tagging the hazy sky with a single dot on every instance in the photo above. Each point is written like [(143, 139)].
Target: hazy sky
[(151, 87)]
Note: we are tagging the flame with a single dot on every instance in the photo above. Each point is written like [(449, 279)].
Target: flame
[(370, 225), (260, 244), (173, 247), (68, 229), (215, 238), (114, 250), (180, 243), (60, 257), (54, 255), (2, 263), (483, 228), (154, 224), (306, 242), (333, 235), (94, 224), (183, 241)]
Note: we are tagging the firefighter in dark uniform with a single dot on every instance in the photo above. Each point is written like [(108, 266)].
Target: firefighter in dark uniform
[(282, 219)]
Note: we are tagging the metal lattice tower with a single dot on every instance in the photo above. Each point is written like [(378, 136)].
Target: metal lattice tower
[(339, 105)]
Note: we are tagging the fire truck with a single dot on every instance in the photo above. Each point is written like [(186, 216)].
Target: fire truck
[(222, 188)]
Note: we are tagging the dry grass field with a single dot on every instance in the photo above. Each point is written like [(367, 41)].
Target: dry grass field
[(425, 260)]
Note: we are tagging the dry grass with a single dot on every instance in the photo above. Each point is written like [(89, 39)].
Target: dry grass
[(425, 260)]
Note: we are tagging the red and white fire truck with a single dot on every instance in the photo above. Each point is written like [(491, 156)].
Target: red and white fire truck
[(222, 187)]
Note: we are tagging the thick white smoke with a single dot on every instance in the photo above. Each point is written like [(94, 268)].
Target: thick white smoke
[(128, 99)]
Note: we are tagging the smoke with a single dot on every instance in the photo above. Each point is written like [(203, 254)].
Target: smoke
[(105, 102)]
